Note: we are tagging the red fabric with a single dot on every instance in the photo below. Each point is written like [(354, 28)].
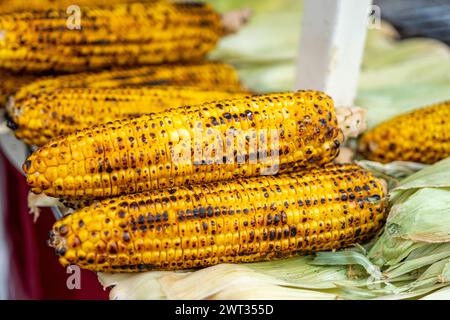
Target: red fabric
[(34, 269)]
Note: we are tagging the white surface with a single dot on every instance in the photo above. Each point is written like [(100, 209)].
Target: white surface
[(331, 47), (14, 149)]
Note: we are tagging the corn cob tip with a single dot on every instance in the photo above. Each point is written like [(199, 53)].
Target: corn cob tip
[(58, 243), (233, 21), (32, 167), (26, 166)]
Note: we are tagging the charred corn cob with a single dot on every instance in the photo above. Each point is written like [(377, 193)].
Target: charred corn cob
[(214, 141), (207, 75), (39, 119), (116, 35), (244, 220), (422, 136), (9, 83)]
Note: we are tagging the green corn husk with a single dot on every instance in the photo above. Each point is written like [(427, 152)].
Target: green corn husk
[(396, 170)]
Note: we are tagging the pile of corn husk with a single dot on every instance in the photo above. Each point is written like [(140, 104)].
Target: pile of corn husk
[(409, 260)]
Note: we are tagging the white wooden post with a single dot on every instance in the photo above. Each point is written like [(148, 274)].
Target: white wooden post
[(331, 47)]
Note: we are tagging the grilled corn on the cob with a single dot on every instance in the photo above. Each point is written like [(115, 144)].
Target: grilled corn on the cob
[(422, 136), (207, 75), (116, 35), (46, 116), (209, 142), (244, 220)]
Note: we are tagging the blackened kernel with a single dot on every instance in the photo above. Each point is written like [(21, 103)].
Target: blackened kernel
[(279, 235), (112, 248), (63, 230), (124, 204), (276, 219), (272, 235), (293, 231), (61, 251)]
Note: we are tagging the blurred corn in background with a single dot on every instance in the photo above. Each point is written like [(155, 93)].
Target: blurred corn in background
[(114, 35), (397, 76)]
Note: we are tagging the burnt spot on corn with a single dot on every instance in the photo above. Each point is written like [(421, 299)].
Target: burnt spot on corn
[(27, 166), (61, 251), (63, 230), (10, 123)]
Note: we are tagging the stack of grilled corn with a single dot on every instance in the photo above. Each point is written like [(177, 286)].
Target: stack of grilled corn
[(153, 208)]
